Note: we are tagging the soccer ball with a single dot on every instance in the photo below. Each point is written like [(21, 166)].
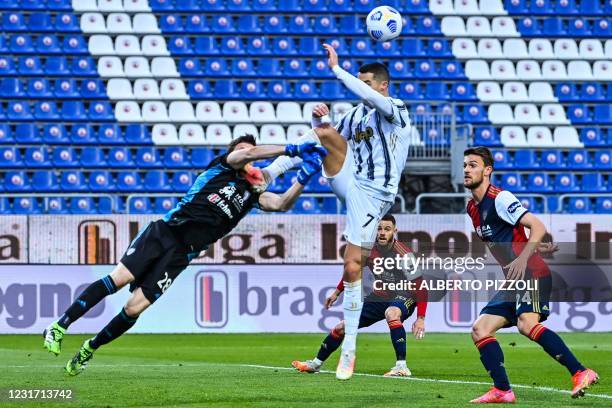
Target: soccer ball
[(384, 23)]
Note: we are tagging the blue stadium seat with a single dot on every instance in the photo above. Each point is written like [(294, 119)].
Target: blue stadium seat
[(182, 181), (101, 180), (365, 6), (11, 88), (40, 88), (37, 157), (27, 133), (451, 70), (10, 157), (83, 66), (48, 44), (72, 180), (217, 67), (325, 24), (190, 67), (501, 159), (18, 111), (319, 184), (603, 160), (16, 181), (13, 22), (299, 24), (410, 91), (275, 24), (554, 27), (230, 46), (284, 46), (93, 89), (332, 90), (279, 89), (243, 68), (306, 205), (263, 5), (105, 205), (269, 67), (30, 66), (21, 44), (516, 6), (592, 92), (137, 134), (552, 160), (44, 181), (329, 205), (602, 27), (486, 136), (162, 205), (436, 91), (223, 23), (579, 27), (128, 181), (26, 206), (427, 26), (199, 89), (541, 7), (512, 182), (182, 46), (578, 113), (120, 157), (425, 69), (82, 205), (290, 5), (313, 6), (319, 69), (5, 206), (157, 181), (566, 182), (539, 183), (6, 134), (65, 157), (140, 205), (9, 4), (592, 137), (590, 8), (173, 23), (82, 134), (387, 49), (603, 205), (225, 88), (529, 203), (439, 49), (55, 134), (6, 65), (310, 46), (32, 4), (46, 110), (74, 45), (593, 183), (579, 205), (258, 46), (64, 23), (603, 113), (526, 159), (56, 205), (306, 90), (529, 26), (566, 91), (201, 157), (175, 157), (110, 134), (293, 68), (92, 157), (474, 113), (101, 111), (147, 157), (578, 159), (74, 111), (57, 66), (350, 24)]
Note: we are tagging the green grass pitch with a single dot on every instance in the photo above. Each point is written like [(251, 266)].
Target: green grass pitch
[(204, 370)]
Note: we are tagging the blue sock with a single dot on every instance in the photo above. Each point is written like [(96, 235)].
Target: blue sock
[(555, 347), (90, 297), (492, 358), (329, 345), (115, 328), (398, 338)]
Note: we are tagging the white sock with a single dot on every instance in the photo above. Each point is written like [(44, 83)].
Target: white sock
[(317, 362), (400, 363), (352, 305), (283, 164)]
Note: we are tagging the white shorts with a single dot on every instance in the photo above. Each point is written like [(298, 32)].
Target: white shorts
[(363, 213), (339, 183)]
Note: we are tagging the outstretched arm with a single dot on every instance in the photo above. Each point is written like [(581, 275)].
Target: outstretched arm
[(280, 202), (238, 158)]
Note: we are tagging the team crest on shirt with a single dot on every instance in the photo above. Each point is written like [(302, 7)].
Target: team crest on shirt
[(365, 135), (484, 231)]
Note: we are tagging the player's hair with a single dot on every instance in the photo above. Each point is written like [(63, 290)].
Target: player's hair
[(481, 152), (246, 138), (379, 70), (388, 217)]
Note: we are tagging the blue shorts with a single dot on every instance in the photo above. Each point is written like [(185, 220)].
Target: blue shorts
[(374, 311), (525, 301)]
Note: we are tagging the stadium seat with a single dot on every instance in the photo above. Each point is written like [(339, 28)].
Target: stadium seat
[(289, 112), (526, 113), (164, 134), (541, 91), (486, 136), (566, 136), (512, 182), (489, 92), (119, 157), (603, 205), (500, 113), (515, 92), (92, 157), (539, 183), (64, 88), (201, 157), (101, 181), (162, 205), (44, 181), (262, 112), (453, 26), (539, 136), (578, 205), (26, 205), (10, 157), (592, 137), (56, 205), (513, 136), (477, 70), (272, 134), (147, 157), (6, 134), (578, 160), (490, 49), (566, 182), (526, 159), (16, 181), (182, 181), (593, 183), (139, 205), (55, 134), (208, 111), (218, 134), (175, 157), (128, 181), (72, 181), (191, 134)]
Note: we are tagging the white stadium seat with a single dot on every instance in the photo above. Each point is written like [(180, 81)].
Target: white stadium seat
[(477, 70), (566, 136), (127, 111), (235, 111), (553, 113), (539, 136), (136, 5), (208, 112), (515, 48), (307, 110), (191, 134), (489, 91), (602, 70), (528, 70), (554, 70), (289, 112), (119, 88), (591, 49), (513, 136), (478, 27), (100, 44), (541, 49), (245, 129), (580, 70), (218, 134), (136, 67), (164, 67), (173, 89), (272, 134), (154, 45), (466, 7), (127, 45), (110, 67), (502, 69), (441, 7), (526, 113), (294, 132), (609, 49), (181, 111), (92, 23), (84, 5), (453, 26), (504, 27), (146, 89), (464, 48), (500, 113), (262, 112), (566, 49), (145, 23), (339, 109), (541, 92), (492, 7), (154, 111), (110, 5), (515, 92), (490, 48), (119, 23), (164, 134)]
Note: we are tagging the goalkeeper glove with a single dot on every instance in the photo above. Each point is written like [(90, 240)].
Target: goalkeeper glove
[(311, 166), (293, 150)]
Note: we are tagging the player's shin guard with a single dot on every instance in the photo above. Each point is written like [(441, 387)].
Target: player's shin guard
[(555, 347), (90, 297), (352, 305), (492, 358), (398, 338), (283, 164), (114, 329), (329, 345)]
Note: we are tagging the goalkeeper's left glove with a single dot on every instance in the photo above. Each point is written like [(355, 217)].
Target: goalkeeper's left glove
[(304, 149), (311, 166)]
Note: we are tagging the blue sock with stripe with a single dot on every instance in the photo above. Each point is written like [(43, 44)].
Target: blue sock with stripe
[(115, 328), (492, 358), (90, 297), (555, 347)]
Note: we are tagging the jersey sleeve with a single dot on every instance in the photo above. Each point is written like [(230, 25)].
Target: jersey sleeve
[(369, 96), (509, 208), (344, 125), (399, 115)]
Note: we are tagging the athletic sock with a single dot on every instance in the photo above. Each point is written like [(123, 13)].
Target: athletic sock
[(90, 297), (114, 329), (492, 358), (329, 345), (555, 347), (352, 305), (398, 338), (283, 164)]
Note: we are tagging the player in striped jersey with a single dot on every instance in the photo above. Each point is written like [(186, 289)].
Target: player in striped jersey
[(367, 149)]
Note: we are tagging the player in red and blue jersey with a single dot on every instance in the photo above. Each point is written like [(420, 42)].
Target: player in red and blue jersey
[(500, 220)]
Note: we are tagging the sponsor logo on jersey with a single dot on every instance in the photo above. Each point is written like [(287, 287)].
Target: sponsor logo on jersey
[(513, 207)]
